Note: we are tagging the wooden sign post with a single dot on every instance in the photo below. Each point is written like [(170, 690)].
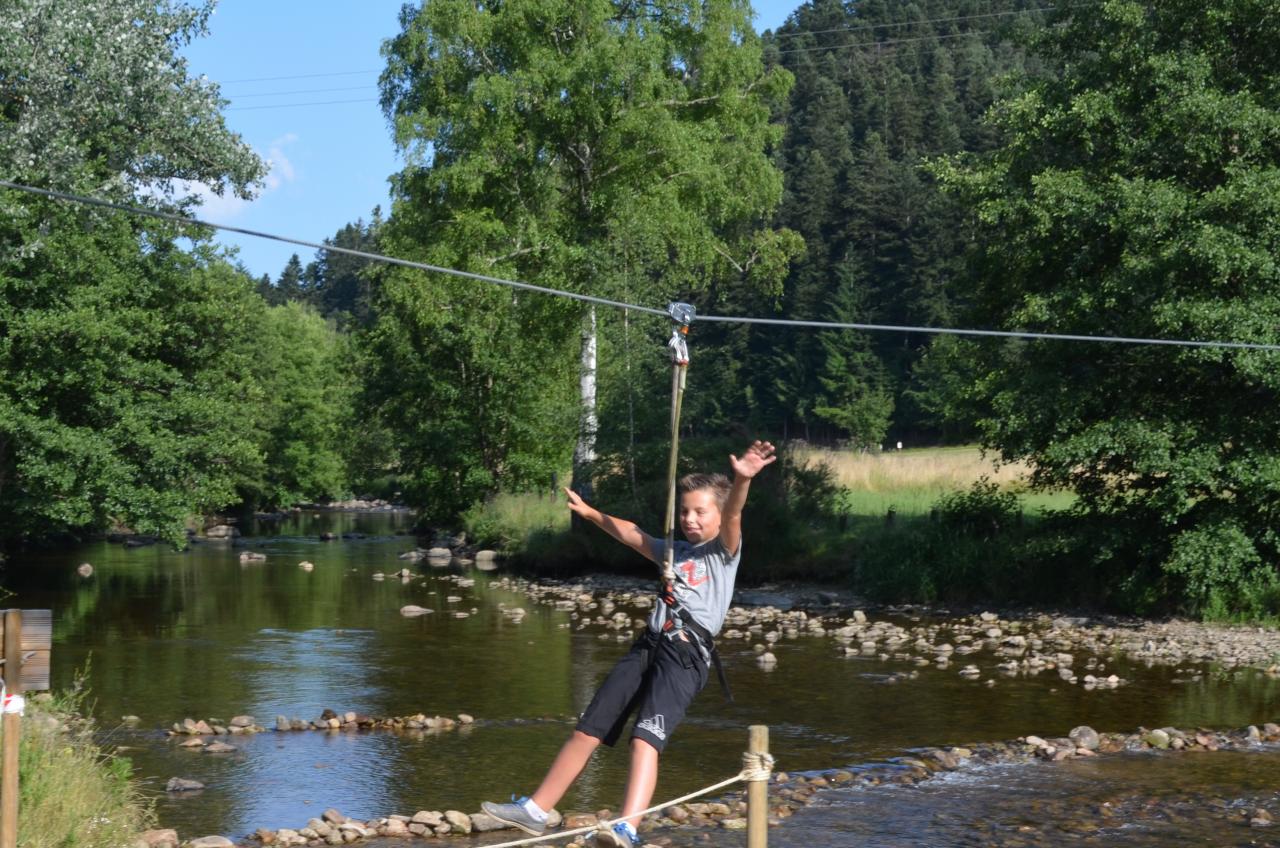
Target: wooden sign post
[(26, 669)]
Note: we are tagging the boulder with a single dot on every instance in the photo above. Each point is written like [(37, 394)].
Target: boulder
[(181, 784), (1084, 737), (210, 842), (222, 531), (162, 838)]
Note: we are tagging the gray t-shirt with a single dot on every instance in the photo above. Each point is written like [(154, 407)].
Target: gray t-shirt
[(704, 582)]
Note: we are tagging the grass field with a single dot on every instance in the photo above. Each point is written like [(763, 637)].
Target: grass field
[(911, 481)]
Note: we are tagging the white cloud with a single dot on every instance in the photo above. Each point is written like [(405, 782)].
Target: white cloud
[(220, 209), (281, 169)]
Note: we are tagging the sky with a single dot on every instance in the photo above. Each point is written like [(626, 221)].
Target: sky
[(302, 81)]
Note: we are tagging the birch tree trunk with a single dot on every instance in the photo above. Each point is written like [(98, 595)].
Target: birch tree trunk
[(584, 453)]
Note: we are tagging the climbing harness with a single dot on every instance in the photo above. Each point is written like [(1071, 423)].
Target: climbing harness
[(757, 767)]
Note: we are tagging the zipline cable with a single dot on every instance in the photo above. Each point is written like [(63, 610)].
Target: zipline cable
[(330, 248), (516, 284)]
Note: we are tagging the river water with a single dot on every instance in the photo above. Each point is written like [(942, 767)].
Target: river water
[(167, 635)]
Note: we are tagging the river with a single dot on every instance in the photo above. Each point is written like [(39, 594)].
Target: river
[(166, 635)]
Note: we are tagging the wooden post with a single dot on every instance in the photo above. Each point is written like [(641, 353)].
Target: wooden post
[(757, 793), (12, 728)]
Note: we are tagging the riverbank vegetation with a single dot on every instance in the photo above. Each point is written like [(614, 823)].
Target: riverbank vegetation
[(982, 163), (72, 793)]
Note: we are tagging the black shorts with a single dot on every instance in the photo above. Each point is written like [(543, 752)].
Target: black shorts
[(657, 680)]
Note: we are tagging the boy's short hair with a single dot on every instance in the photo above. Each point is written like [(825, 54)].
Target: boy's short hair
[(717, 483)]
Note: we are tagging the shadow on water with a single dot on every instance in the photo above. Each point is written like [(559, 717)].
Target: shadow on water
[(170, 635)]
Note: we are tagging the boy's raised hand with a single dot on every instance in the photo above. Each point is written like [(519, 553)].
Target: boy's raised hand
[(577, 505), (754, 459)]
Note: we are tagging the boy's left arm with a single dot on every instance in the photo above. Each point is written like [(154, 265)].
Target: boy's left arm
[(752, 462)]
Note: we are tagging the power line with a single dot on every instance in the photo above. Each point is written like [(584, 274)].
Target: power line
[(850, 29), (727, 319), (301, 76), (888, 42), (293, 105), (364, 87)]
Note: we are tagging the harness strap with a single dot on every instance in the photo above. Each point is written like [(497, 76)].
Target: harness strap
[(679, 622)]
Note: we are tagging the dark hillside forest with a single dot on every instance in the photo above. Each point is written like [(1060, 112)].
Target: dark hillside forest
[(880, 89)]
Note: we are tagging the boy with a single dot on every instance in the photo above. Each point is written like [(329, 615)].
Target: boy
[(667, 666)]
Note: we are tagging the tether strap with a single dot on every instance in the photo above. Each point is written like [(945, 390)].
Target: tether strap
[(681, 316)]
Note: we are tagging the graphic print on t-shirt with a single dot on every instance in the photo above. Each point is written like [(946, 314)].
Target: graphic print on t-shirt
[(694, 574)]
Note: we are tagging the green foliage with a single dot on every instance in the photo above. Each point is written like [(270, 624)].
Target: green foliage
[(508, 521), (984, 510), (306, 417), (71, 793), (592, 146), (857, 398), (120, 398), (1136, 195), (119, 353), (111, 108)]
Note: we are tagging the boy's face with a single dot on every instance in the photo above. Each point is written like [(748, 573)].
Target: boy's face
[(699, 516)]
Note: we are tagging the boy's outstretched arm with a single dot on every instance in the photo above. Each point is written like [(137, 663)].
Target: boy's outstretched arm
[(624, 531), (752, 462)]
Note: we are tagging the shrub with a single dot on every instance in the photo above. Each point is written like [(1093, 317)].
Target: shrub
[(73, 794)]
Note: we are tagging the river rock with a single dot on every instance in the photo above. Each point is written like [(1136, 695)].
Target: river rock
[(460, 822), (222, 531), (161, 838), (483, 823), (439, 553), (1156, 739), (763, 599), (413, 609), (85, 570), (1084, 737), (242, 721), (429, 818), (181, 784), (210, 842), (412, 556), (219, 748)]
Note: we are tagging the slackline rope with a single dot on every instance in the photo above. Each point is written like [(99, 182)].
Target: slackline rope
[(777, 322), (756, 767)]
